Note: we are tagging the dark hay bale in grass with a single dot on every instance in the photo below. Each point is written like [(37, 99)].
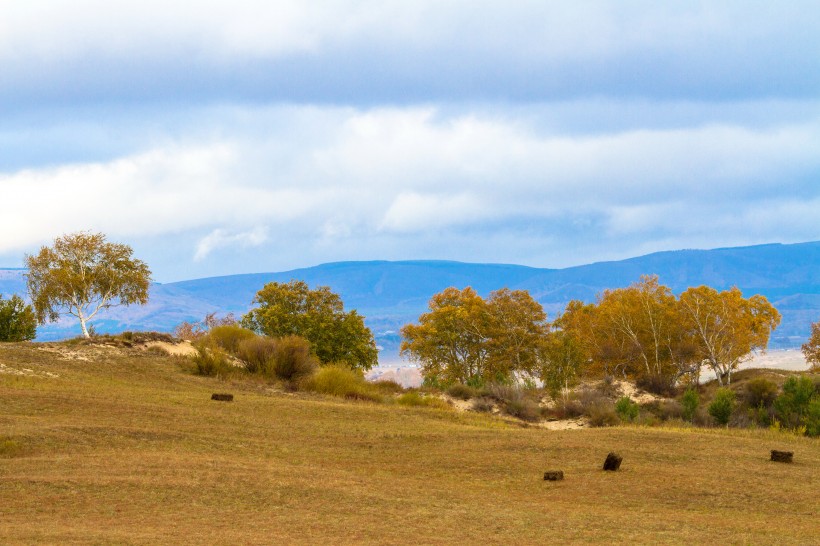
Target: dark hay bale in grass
[(613, 462), (782, 456), (222, 397), (554, 475)]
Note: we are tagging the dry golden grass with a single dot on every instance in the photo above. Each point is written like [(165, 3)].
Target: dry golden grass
[(129, 449)]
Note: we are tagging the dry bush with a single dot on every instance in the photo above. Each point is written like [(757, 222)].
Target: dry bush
[(608, 387), (257, 353), (483, 404), (504, 393), (192, 331), (760, 392), (292, 360), (413, 398), (211, 361), (340, 381), (462, 392), (387, 386), (656, 384), (228, 337), (602, 414), (524, 409)]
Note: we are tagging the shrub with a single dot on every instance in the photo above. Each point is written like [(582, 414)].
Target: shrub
[(524, 409), (722, 406), (211, 361), (462, 392), (17, 320), (292, 359), (228, 337), (690, 402), (483, 404), (602, 414), (626, 409), (670, 409), (413, 398), (792, 406), (608, 387), (760, 392), (656, 384), (341, 381), (813, 418), (257, 353), (387, 386), (504, 393)]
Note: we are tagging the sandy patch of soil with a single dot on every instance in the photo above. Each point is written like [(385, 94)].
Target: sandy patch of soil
[(183, 348), (25, 372)]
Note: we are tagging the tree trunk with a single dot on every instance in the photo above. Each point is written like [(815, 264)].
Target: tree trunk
[(82, 325)]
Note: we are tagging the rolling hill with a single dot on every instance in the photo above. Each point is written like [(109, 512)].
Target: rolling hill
[(391, 294)]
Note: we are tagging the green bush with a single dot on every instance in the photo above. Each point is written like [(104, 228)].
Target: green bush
[(722, 406), (337, 380), (690, 402), (462, 392), (17, 320), (792, 406), (228, 337), (760, 392), (813, 418), (626, 409)]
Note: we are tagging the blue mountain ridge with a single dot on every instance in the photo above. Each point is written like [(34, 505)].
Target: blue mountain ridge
[(391, 294)]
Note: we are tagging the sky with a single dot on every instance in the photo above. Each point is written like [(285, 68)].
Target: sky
[(248, 136)]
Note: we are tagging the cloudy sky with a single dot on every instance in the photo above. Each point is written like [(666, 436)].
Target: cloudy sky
[(246, 136)]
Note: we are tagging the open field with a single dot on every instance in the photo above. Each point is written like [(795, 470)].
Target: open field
[(105, 446)]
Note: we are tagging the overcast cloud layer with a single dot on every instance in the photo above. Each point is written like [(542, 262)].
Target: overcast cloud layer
[(220, 137)]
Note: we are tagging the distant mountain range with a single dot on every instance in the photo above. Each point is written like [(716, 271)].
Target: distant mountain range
[(390, 294)]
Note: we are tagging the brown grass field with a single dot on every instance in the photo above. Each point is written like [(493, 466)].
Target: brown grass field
[(128, 448)]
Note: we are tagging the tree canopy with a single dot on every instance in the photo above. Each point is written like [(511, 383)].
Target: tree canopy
[(317, 315), (17, 320), (811, 349), (464, 338), (82, 274)]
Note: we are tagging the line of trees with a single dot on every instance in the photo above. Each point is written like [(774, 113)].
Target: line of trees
[(642, 332)]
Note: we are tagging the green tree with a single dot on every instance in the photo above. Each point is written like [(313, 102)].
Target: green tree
[(793, 405), (82, 274), (690, 402), (17, 320), (336, 336), (722, 406)]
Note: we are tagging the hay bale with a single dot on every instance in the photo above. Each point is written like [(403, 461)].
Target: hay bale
[(222, 397), (613, 462), (782, 456), (554, 475)]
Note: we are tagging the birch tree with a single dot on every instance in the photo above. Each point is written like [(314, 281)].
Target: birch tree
[(726, 327), (83, 274)]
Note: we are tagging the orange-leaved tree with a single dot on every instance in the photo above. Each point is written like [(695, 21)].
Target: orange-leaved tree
[(811, 349), (726, 328)]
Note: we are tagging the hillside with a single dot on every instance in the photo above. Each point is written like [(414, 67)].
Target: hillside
[(102, 445), (391, 294)]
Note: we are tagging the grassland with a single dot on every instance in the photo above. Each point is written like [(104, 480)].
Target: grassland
[(108, 446)]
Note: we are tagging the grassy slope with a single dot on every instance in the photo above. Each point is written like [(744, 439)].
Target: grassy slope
[(132, 450)]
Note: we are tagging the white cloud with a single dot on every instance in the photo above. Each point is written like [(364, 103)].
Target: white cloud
[(347, 183), (220, 238)]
